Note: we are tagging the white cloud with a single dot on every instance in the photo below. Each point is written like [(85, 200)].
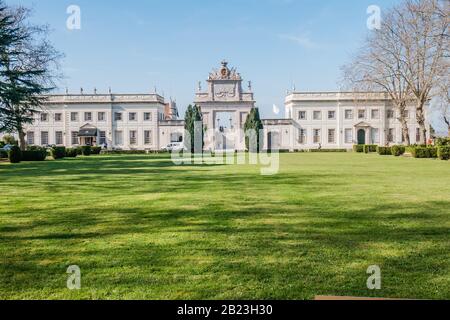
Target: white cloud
[(301, 40)]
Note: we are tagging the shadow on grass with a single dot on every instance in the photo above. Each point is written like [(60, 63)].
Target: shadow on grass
[(256, 247)]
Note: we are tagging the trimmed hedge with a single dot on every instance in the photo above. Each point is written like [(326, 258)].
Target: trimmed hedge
[(398, 150), (71, 152), (444, 152), (123, 152), (34, 155), (58, 152), (368, 148), (15, 154), (359, 148), (86, 150), (424, 153), (96, 150), (328, 150), (3, 154), (384, 151), (441, 142)]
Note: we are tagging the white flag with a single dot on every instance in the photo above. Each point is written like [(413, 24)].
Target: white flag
[(276, 110)]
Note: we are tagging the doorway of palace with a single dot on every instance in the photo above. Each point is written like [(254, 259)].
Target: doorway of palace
[(224, 131), (361, 136)]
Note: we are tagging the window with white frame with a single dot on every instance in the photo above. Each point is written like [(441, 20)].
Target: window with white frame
[(375, 114), (361, 114), (132, 116), (30, 138), (349, 114), (44, 138), (88, 116), (44, 117), (317, 136), (74, 138), (117, 116), (348, 136), (133, 137), (147, 137), (317, 115), (59, 138), (102, 137), (74, 116), (331, 115), (118, 138), (101, 116), (375, 135), (302, 136), (331, 135), (58, 117), (147, 116), (302, 115)]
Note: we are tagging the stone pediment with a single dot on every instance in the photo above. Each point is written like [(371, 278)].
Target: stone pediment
[(362, 124)]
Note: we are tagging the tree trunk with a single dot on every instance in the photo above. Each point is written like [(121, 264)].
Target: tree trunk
[(421, 121), (447, 121), (405, 131), (22, 142), (404, 123)]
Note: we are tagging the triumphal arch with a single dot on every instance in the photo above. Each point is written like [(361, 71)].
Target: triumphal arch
[(225, 107)]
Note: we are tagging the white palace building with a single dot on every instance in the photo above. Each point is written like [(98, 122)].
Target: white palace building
[(328, 120)]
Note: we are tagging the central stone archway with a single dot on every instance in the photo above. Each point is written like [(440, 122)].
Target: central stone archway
[(224, 95)]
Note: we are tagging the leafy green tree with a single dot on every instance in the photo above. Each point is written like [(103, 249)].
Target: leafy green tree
[(193, 116), (254, 124), (9, 139), (28, 69)]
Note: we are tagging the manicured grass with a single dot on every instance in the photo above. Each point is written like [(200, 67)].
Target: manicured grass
[(140, 227)]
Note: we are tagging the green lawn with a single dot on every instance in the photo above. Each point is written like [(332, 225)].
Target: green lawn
[(141, 228)]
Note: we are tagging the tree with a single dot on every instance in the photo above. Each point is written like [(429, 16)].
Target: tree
[(28, 70), (194, 127), (422, 26), (253, 124), (8, 139), (377, 68)]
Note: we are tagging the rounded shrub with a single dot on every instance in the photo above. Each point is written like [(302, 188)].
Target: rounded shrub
[(71, 152), (384, 151), (424, 152), (359, 148), (398, 150), (15, 154), (444, 152), (58, 152), (96, 150), (86, 150)]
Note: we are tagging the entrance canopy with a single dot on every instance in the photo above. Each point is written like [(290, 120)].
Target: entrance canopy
[(88, 131)]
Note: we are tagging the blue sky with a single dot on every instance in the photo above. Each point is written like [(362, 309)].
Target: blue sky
[(135, 45)]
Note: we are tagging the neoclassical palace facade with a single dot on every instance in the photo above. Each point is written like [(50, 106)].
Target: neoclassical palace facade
[(328, 120)]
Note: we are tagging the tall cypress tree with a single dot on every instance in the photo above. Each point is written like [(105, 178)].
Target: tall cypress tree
[(254, 122), (193, 115)]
